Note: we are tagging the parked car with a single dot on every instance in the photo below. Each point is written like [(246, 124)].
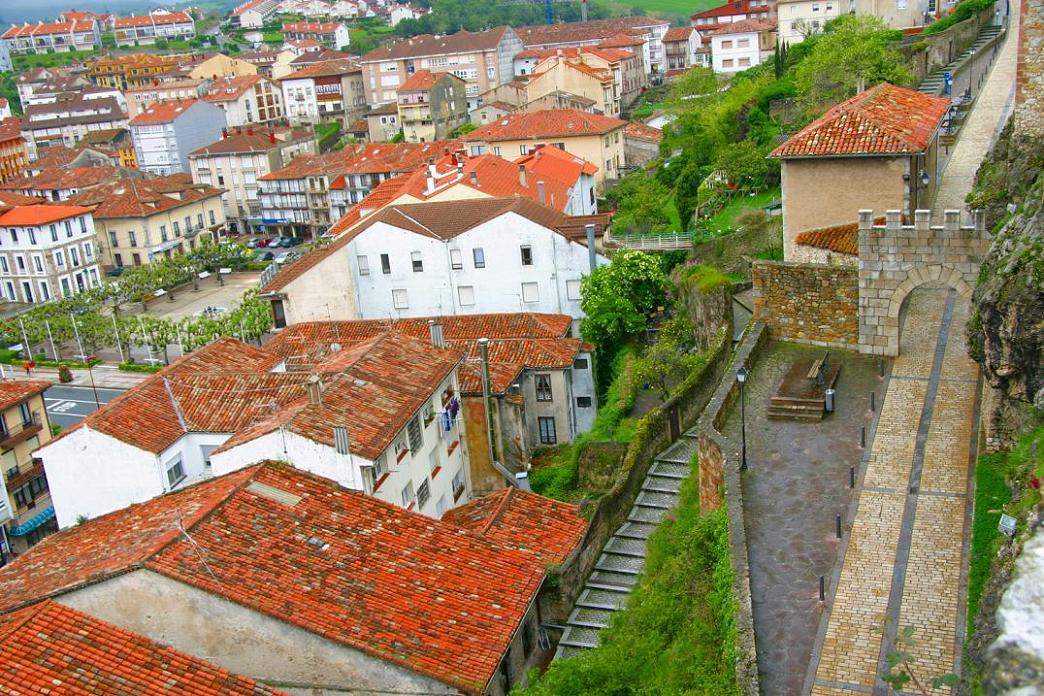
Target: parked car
[(265, 256), (116, 272), (284, 257), (264, 243), (252, 243), (296, 241)]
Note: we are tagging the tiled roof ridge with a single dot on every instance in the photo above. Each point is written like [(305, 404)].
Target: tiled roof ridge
[(498, 511), (398, 209), (26, 614), (174, 403)]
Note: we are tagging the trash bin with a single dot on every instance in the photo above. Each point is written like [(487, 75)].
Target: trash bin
[(829, 400)]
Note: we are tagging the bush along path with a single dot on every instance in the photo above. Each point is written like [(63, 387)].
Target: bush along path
[(623, 557)]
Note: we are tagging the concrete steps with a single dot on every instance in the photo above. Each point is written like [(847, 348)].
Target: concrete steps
[(618, 568), (934, 83)]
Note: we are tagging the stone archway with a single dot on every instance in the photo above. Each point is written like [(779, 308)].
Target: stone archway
[(895, 258)]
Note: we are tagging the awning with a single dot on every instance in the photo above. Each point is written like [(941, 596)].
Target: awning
[(36, 521), (164, 247)]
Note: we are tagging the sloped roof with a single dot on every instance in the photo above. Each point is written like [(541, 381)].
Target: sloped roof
[(51, 648), (641, 131), (163, 112), (557, 123), (78, 178), (72, 110), (324, 68), (179, 17), (432, 597), (312, 27), (362, 158), (420, 80), (732, 8), (747, 26), (678, 34), (13, 391), (130, 197), (883, 120), (429, 45), (842, 239), (566, 32), (254, 140), (39, 214), (230, 88), (9, 199)]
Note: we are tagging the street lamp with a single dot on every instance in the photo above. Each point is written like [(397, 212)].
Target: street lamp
[(741, 377), (90, 363)]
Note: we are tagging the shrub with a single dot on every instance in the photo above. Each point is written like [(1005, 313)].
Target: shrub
[(64, 375), (139, 367), (964, 10)]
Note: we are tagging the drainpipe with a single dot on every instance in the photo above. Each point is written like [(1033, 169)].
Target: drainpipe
[(486, 395), (592, 254)]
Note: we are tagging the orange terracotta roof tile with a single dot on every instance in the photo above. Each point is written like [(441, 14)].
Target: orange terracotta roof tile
[(152, 19), (40, 214), (311, 27), (363, 158), (731, 8), (678, 34), (842, 239), (420, 80), (429, 45), (747, 26), (325, 68), (230, 88), (142, 197), (572, 32), (544, 124), (13, 392), (437, 599), (50, 648), (162, 112), (883, 120), (9, 199), (521, 520), (641, 131)]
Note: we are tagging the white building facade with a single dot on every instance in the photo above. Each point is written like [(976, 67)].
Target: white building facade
[(47, 253), (165, 134)]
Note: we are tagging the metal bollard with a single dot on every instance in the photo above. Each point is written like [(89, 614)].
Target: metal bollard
[(839, 526), (862, 437), (873, 406), (851, 477), (822, 588)]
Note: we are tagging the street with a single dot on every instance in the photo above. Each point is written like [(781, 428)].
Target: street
[(67, 406)]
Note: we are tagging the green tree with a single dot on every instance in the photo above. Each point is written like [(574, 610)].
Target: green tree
[(743, 163), (852, 54), (639, 202), (617, 297)]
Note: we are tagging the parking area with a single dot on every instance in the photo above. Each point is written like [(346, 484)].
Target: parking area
[(188, 302)]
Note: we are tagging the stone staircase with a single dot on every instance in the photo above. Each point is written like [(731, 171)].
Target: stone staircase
[(623, 556), (933, 84)]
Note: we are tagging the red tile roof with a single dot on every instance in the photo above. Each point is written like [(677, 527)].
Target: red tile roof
[(524, 521), (40, 214), (230, 88), (152, 19), (577, 32), (678, 34), (162, 112), (9, 199), (142, 197), (45, 28), (422, 80), (14, 392), (737, 7), (622, 41), (363, 158), (842, 239), (641, 131), (50, 648), (747, 26), (311, 27), (324, 68), (884, 120), (76, 178), (431, 597), (559, 123), (429, 45)]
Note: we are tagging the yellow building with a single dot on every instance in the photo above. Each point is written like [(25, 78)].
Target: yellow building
[(116, 142), (592, 137), (220, 65), (139, 221), (26, 513), (132, 70)]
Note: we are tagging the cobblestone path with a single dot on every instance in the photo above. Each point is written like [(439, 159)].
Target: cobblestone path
[(905, 560)]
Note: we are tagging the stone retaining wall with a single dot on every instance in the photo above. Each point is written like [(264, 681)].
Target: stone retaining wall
[(808, 303), (926, 53), (719, 459)]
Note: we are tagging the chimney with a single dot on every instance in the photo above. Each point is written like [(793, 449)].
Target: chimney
[(429, 182), (224, 133), (460, 167), (523, 181), (540, 192), (432, 171), (271, 137), (314, 387), (435, 330), (474, 178)]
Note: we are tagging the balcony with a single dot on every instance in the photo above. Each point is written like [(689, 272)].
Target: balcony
[(9, 437)]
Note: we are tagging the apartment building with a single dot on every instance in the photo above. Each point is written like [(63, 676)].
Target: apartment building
[(141, 220), (165, 133), (681, 47), (131, 70), (48, 251), (14, 154), (254, 13), (115, 142), (709, 21), (647, 30), (742, 45), (591, 137), (330, 34), (299, 200), (431, 106), (482, 59), (382, 123), (140, 98), (51, 37), (157, 24), (323, 91), (67, 120), (246, 100), (62, 179), (26, 513), (239, 159)]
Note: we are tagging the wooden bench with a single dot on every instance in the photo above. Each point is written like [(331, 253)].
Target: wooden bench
[(818, 366)]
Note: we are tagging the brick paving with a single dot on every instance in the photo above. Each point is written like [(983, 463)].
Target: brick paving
[(905, 556)]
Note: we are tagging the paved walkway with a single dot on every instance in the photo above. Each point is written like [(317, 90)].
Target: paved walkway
[(983, 125), (905, 560)]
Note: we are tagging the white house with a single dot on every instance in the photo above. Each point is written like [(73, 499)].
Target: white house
[(254, 13), (157, 24), (331, 34), (47, 252), (165, 133), (246, 100), (742, 45), (381, 417), (483, 255)]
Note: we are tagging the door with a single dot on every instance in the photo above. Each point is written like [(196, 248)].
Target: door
[(278, 314)]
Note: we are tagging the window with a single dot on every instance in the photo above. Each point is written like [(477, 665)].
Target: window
[(136, 259), (113, 239), (573, 289), (380, 464), (175, 472), (385, 264), (466, 295), (399, 299), (548, 436), (38, 263), (527, 255), (32, 235), (727, 63), (543, 387), (407, 494), (20, 263), (744, 62), (118, 258), (83, 225), (163, 233), (88, 250), (177, 229), (479, 257), (415, 434), (726, 43), (496, 150), (134, 238), (3, 265), (74, 256), (456, 260), (68, 229), (418, 263), (458, 484), (213, 220), (580, 364), (530, 292), (199, 220), (583, 402), (364, 265), (743, 43), (54, 233), (423, 493), (523, 149), (14, 236)]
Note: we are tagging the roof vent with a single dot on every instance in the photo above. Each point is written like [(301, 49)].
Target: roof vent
[(317, 543), (273, 493), (335, 347)]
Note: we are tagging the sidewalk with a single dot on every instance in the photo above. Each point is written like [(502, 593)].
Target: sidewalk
[(105, 376), (983, 125)]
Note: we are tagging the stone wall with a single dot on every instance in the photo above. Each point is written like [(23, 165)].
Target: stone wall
[(719, 459), (926, 53), (894, 259), (807, 303), (1029, 75)]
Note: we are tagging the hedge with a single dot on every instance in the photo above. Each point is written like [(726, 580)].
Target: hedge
[(139, 367)]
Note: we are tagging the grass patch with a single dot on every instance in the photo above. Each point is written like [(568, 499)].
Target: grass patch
[(705, 278), (684, 8), (677, 633), (725, 219), (49, 60), (670, 208)]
